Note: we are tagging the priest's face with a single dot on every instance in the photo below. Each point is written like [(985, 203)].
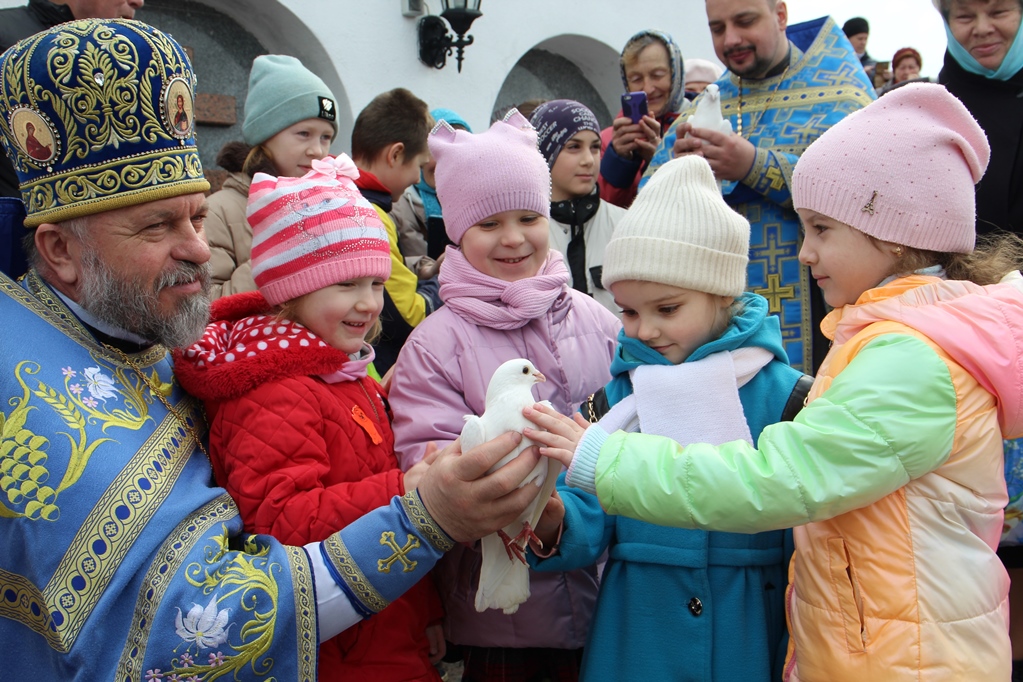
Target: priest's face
[(749, 35), (146, 269)]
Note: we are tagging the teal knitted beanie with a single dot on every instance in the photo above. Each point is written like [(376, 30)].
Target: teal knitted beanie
[(282, 92)]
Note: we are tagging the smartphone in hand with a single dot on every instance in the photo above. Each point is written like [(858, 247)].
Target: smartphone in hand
[(634, 105)]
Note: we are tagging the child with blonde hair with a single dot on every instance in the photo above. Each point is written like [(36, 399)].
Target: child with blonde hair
[(892, 474)]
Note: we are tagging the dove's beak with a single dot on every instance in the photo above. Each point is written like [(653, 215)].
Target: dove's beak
[(539, 377)]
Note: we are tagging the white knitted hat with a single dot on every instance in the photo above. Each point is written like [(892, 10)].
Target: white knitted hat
[(679, 231)]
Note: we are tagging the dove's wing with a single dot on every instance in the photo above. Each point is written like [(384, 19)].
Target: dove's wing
[(553, 468), (553, 471), (708, 115), (473, 432), (504, 582)]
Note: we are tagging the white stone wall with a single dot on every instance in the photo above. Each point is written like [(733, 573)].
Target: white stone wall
[(373, 47), (362, 48)]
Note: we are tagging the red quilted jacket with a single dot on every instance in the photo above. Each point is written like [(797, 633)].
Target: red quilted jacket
[(303, 458)]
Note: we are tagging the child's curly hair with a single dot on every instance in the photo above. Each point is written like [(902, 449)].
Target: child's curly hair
[(996, 255)]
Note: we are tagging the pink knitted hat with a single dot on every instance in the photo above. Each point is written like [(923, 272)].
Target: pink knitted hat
[(311, 232), (902, 169), (482, 175)]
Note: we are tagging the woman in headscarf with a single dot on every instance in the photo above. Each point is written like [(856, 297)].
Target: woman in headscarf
[(651, 62), (984, 69)]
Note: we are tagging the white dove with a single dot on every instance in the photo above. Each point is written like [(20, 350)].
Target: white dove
[(708, 112), (504, 576)]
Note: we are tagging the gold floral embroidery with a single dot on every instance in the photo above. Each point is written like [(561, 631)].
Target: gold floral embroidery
[(101, 101), (246, 579), (23, 459)]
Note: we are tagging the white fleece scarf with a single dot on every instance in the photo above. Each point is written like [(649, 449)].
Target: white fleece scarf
[(694, 402)]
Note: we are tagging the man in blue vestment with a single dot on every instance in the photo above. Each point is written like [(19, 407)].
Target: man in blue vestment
[(121, 559), (785, 85)]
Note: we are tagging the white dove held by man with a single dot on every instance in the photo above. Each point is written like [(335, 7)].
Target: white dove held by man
[(504, 575), (708, 112)]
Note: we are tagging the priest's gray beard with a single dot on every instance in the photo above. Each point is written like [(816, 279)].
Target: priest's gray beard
[(130, 305)]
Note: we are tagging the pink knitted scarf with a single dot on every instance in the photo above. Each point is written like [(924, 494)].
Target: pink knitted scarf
[(353, 370), (490, 302)]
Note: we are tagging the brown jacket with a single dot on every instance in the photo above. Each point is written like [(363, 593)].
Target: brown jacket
[(230, 238)]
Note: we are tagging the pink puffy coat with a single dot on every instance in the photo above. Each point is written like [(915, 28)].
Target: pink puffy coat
[(442, 375)]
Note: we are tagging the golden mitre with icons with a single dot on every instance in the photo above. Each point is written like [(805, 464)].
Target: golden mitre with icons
[(97, 115)]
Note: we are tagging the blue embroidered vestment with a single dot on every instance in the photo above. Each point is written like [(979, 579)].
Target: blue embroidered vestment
[(121, 560)]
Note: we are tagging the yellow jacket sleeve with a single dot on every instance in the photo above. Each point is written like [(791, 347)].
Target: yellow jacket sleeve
[(401, 286)]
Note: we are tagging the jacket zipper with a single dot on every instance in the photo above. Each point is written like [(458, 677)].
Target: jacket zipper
[(372, 403)]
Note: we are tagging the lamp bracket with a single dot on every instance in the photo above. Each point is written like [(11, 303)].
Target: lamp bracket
[(436, 44)]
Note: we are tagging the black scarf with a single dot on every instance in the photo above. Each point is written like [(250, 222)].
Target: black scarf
[(576, 213)]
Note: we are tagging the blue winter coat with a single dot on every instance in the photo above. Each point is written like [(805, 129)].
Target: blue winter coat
[(687, 604)]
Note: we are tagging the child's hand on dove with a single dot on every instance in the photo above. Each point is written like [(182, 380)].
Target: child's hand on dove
[(557, 435)]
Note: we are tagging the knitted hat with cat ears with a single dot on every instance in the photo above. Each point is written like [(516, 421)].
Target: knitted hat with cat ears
[(479, 176)]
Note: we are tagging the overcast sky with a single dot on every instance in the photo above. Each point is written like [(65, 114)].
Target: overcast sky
[(893, 24)]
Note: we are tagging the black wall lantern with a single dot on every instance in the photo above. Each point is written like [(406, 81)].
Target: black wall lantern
[(435, 43)]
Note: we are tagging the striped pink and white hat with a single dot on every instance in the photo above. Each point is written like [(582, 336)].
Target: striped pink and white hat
[(311, 232)]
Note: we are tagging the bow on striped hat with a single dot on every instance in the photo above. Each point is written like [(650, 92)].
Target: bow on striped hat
[(332, 167)]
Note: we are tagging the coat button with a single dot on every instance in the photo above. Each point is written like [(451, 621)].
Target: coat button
[(695, 606)]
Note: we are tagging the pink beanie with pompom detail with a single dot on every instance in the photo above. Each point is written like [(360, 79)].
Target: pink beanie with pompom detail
[(482, 175), (902, 169)]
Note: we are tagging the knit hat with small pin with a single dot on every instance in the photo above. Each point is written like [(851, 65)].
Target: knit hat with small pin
[(679, 231), (902, 169)]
